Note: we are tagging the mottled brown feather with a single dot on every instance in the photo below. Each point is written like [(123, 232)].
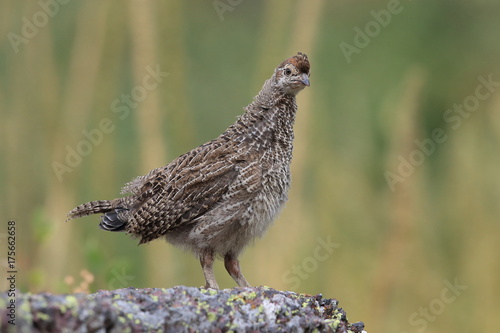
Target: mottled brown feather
[(214, 199)]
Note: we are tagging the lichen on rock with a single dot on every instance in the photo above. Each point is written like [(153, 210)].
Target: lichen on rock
[(178, 309)]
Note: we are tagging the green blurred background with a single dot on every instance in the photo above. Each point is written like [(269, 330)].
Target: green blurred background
[(397, 248)]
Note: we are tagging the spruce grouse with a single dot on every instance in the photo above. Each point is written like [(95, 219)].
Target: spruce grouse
[(216, 198)]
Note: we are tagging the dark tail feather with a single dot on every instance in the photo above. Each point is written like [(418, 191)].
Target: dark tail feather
[(93, 207), (112, 222), (111, 208)]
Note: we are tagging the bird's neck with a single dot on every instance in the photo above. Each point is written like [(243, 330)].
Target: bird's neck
[(271, 114), (271, 96)]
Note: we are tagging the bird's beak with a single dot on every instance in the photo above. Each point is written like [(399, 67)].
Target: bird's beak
[(304, 78)]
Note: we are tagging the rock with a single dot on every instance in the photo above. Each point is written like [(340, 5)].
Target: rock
[(178, 309)]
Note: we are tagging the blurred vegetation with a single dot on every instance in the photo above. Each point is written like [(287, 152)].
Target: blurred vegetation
[(395, 248)]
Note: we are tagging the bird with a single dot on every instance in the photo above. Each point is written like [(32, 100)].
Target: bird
[(215, 199)]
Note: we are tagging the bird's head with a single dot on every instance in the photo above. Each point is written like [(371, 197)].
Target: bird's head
[(292, 75)]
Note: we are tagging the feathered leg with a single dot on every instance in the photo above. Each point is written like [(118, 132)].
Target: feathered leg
[(232, 265), (207, 261)]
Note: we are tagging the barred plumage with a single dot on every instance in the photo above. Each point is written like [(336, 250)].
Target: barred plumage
[(216, 198)]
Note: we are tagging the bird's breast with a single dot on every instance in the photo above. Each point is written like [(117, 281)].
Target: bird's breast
[(269, 201)]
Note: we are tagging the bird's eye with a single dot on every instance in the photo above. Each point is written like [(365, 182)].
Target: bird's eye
[(287, 71)]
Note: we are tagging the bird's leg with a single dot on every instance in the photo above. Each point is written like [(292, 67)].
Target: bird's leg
[(232, 265), (207, 261)]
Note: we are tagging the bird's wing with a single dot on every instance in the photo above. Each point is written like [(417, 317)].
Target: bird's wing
[(188, 188)]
